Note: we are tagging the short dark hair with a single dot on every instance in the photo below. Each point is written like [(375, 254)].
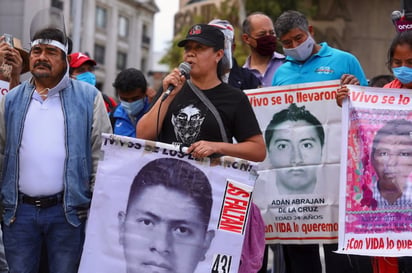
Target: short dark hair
[(129, 80), (397, 127), (52, 34), (177, 175), (69, 45), (294, 113), (289, 20), (381, 80)]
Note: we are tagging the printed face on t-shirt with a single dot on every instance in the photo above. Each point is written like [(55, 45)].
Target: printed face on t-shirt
[(187, 123)]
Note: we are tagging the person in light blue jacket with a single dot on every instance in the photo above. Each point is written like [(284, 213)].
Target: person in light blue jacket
[(131, 87), (50, 138)]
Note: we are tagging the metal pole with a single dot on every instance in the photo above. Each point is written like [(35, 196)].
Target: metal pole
[(77, 22)]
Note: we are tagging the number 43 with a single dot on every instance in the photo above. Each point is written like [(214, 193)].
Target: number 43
[(221, 264)]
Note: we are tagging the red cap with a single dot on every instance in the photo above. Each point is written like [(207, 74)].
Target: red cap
[(78, 58)]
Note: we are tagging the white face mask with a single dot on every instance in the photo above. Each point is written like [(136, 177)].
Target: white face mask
[(303, 51)]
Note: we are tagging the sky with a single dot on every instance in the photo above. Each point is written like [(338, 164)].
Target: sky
[(164, 23)]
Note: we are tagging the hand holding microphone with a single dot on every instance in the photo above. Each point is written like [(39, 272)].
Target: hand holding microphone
[(184, 69)]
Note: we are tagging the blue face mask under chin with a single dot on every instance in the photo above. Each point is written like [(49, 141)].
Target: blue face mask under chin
[(88, 77), (403, 74), (133, 108)]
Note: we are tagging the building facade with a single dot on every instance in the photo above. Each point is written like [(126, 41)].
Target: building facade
[(116, 33)]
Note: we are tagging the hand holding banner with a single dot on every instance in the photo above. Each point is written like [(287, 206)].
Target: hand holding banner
[(156, 208)]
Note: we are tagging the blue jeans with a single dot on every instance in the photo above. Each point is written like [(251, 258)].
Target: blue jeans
[(23, 240)]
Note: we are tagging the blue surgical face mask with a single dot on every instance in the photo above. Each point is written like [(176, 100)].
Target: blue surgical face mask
[(303, 51), (133, 108), (88, 77), (403, 74)]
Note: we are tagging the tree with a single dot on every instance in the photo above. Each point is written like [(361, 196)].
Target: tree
[(226, 10), (235, 12), (272, 8)]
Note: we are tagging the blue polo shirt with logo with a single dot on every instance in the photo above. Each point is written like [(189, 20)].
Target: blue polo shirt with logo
[(327, 64)]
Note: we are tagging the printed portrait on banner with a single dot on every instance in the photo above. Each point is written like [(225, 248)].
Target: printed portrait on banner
[(376, 176), (297, 187), (158, 209)]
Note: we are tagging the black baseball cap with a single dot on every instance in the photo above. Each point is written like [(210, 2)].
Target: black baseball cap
[(205, 34)]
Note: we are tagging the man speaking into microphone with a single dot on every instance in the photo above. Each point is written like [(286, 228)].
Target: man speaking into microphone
[(203, 113)]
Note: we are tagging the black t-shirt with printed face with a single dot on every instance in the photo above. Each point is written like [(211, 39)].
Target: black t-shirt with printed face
[(188, 120)]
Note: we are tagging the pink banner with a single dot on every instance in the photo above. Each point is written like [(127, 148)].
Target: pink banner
[(376, 186)]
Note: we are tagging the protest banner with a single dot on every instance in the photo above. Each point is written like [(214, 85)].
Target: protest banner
[(157, 209), (297, 187), (376, 200)]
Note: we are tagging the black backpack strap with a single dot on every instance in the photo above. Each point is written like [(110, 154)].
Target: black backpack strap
[(112, 117), (211, 107), (109, 102)]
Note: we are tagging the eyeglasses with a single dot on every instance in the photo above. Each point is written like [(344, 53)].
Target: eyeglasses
[(261, 34)]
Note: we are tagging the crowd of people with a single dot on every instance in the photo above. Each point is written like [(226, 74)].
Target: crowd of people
[(46, 189)]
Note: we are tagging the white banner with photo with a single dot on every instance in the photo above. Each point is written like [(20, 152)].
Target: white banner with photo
[(376, 173), (297, 188), (157, 209)]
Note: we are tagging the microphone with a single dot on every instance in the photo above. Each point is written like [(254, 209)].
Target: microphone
[(184, 69)]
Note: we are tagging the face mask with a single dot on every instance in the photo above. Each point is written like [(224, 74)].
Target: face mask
[(266, 45), (133, 108), (302, 52), (403, 74), (88, 77)]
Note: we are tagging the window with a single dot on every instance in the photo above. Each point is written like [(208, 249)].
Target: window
[(101, 17), (57, 4), (121, 61), (143, 65), (123, 27), (99, 52), (144, 30), (145, 37)]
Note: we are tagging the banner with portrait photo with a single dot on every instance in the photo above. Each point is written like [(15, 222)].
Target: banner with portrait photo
[(376, 175), (157, 209), (297, 187)]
